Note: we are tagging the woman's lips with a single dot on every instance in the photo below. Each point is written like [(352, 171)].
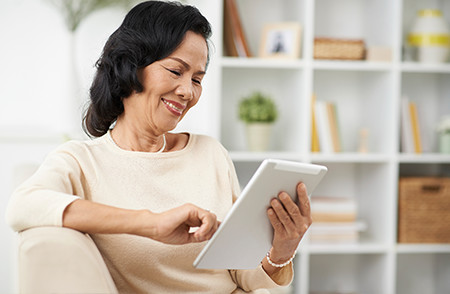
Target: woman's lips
[(173, 106)]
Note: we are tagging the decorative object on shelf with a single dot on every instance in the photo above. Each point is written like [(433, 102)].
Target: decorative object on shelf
[(444, 134), (379, 54), (259, 112), (233, 32), (363, 140), (281, 40), (424, 206), (430, 37), (344, 49)]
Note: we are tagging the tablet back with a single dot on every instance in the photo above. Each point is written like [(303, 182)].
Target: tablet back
[(245, 235)]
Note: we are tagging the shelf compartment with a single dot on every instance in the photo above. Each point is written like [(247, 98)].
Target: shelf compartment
[(430, 93), (366, 183), (349, 273), (409, 14), (363, 101), (253, 20), (355, 19), (423, 273), (284, 86)]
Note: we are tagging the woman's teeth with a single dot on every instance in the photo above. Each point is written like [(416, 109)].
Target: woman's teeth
[(172, 106)]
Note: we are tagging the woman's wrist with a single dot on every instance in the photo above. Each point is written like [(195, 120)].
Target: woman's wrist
[(279, 265), (144, 224)]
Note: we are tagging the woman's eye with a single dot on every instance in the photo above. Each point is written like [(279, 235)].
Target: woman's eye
[(174, 72), (197, 81)]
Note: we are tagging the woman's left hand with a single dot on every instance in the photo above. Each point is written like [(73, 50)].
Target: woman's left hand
[(290, 222)]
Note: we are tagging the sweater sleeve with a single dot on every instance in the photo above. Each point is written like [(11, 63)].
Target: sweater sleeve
[(42, 199), (250, 280)]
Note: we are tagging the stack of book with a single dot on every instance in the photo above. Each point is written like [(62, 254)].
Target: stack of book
[(411, 139), (325, 127), (334, 220)]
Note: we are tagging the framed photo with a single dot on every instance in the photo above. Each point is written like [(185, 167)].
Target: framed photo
[(281, 40)]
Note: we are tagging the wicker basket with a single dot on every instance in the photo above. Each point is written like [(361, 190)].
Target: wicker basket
[(424, 210), (327, 48)]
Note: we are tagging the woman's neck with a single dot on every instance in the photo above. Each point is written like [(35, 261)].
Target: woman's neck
[(129, 136)]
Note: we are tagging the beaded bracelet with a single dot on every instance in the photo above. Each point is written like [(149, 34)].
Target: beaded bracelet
[(279, 265)]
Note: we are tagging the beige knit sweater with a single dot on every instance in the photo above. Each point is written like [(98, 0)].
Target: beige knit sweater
[(98, 170)]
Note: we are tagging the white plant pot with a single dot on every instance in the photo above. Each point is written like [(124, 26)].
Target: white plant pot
[(444, 143), (258, 136)]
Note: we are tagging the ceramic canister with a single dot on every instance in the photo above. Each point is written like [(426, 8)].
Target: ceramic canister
[(430, 35)]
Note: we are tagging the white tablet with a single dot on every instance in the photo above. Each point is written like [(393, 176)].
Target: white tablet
[(245, 235)]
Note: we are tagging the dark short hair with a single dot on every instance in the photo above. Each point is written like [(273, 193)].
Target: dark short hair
[(151, 31)]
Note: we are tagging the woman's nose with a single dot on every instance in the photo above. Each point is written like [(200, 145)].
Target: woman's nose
[(185, 90)]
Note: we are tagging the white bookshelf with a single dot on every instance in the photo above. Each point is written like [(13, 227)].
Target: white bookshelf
[(367, 94)]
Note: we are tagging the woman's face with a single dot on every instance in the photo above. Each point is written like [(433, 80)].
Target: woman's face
[(171, 86)]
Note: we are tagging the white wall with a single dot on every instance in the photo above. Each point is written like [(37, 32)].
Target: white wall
[(35, 84)]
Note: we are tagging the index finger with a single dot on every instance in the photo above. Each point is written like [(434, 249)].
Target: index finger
[(303, 200)]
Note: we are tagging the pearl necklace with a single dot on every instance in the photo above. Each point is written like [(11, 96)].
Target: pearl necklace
[(164, 144)]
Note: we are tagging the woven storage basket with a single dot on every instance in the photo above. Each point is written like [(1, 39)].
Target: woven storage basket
[(424, 210), (328, 48)]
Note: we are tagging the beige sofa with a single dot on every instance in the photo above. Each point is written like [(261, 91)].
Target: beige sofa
[(61, 260)]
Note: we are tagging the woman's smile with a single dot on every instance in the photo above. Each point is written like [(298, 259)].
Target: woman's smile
[(173, 106)]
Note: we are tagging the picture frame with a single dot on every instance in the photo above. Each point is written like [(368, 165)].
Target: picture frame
[(281, 40)]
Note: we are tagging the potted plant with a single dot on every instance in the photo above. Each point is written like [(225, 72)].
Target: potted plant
[(258, 111), (443, 129)]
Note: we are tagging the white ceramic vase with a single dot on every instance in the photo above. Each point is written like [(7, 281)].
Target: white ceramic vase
[(430, 36), (258, 136)]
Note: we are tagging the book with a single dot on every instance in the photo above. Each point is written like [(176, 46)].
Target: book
[(323, 127), (327, 126), (334, 129), (335, 232), (411, 141), (407, 143), (335, 220), (415, 127), (333, 209), (234, 37), (315, 147)]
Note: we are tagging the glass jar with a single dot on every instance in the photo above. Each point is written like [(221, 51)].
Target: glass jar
[(430, 36)]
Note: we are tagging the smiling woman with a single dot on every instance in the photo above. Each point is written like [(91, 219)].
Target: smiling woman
[(171, 86), (138, 188)]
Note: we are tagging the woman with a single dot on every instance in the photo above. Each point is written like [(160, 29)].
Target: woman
[(139, 189)]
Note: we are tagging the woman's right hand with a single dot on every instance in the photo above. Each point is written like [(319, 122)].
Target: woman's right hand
[(184, 224)]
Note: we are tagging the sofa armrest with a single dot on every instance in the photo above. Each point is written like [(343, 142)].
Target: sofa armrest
[(61, 260)]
